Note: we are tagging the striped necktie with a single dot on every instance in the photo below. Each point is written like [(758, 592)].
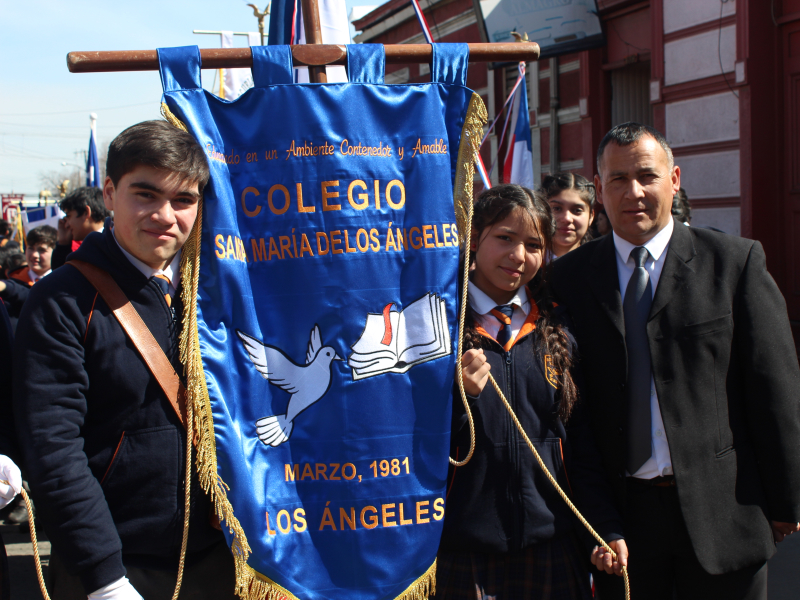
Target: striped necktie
[(163, 282), (503, 314)]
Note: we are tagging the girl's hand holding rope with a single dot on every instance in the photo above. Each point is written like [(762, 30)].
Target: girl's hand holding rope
[(605, 561), (475, 371)]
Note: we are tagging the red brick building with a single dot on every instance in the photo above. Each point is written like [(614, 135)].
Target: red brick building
[(721, 79)]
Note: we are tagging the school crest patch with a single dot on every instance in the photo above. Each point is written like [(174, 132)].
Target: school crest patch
[(550, 371)]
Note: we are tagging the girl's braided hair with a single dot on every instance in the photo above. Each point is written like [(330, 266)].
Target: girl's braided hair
[(491, 207)]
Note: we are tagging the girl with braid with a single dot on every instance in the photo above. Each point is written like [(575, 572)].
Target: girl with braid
[(508, 535)]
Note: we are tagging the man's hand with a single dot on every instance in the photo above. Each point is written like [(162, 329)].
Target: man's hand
[(604, 561), (475, 371), (63, 233), (121, 589), (9, 472), (780, 530)]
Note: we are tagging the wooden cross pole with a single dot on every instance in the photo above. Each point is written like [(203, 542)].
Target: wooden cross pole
[(313, 31), (314, 54)]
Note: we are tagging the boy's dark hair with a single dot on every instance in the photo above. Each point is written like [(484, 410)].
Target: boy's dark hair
[(13, 262), (492, 206), (5, 228), (83, 197), (5, 252), (681, 207), (44, 234), (159, 145), (628, 133)]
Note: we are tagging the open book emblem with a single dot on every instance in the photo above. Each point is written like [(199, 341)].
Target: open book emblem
[(394, 341)]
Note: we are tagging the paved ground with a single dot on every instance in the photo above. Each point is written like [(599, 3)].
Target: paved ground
[(784, 568)]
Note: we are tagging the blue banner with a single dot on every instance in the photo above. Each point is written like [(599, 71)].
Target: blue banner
[(326, 317)]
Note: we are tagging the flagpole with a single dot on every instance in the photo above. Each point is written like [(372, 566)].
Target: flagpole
[(313, 31)]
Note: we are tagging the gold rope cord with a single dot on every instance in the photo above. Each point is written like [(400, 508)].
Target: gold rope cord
[(34, 542), (473, 128), (187, 500), (462, 200), (560, 491)]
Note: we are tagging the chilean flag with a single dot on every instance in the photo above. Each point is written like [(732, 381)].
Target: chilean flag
[(92, 164), (518, 165)]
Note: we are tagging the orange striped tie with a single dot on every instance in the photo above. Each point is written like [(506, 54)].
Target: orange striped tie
[(164, 282), (503, 314)]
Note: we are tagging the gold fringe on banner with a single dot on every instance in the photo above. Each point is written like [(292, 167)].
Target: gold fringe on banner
[(173, 120), (423, 587), (471, 135), (250, 584)]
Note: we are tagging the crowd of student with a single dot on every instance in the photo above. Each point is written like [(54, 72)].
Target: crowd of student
[(654, 369)]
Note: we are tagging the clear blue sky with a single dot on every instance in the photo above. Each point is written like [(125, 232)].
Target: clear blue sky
[(44, 109)]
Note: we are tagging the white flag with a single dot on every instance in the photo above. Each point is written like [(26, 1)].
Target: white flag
[(235, 82), (335, 30)]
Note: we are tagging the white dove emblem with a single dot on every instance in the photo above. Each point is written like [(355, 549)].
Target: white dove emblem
[(306, 383)]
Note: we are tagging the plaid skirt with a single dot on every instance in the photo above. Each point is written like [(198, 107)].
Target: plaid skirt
[(553, 570)]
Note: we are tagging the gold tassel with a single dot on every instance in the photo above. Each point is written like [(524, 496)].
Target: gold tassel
[(173, 120), (197, 392), (197, 395), (470, 145)]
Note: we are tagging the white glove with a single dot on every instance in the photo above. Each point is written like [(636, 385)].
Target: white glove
[(9, 472), (121, 589)]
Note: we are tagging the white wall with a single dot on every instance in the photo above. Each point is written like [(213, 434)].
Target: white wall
[(703, 120), (680, 14), (698, 56), (712, 175), (727, 219)]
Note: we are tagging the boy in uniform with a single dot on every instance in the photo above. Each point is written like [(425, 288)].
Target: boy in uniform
[(85, 213), (103, 447), (14, 290)]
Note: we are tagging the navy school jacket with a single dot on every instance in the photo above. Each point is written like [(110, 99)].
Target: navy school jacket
[(103, 448), (501, 501)]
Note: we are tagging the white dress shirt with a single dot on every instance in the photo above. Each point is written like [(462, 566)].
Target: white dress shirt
[(172, 270), (34, 277), (483, 304), (660, 462)]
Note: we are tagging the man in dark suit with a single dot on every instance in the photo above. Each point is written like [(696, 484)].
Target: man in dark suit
[(692, 383)]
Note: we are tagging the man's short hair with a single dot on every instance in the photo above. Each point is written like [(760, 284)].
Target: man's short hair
[(83, 197), (159, 145), (629, 133), (44, 234), (5, 228)]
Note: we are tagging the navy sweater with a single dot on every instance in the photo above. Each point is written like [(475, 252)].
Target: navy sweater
[(103, 448), (501, 501)]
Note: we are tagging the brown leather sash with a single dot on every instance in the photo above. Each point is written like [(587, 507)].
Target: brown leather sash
[(139, 334)]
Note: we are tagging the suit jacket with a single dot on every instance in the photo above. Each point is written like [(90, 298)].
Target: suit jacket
[(727, 379)]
